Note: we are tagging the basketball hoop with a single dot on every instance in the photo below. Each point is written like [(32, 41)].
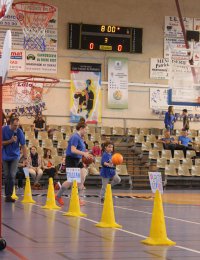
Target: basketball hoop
[(29, 89), (4, 8), (34, 18)]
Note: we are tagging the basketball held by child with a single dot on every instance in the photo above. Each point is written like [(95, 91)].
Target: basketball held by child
[(117, 159), (87, 161)]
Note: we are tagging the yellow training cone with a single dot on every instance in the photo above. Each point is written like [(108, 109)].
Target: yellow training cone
[(108, 215), (14, 196), (158, 234), (50, 202), (27, 192), (74, 205)]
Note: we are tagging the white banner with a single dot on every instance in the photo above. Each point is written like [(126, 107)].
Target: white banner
[(156, 181), (43, 62), (159, 68), (158, 98), (73, 174), (173, 27), (118, 83)]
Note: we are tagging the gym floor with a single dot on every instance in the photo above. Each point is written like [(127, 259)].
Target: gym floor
[(35, 233)]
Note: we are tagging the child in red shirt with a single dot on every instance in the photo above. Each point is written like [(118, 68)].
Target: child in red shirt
[(96, 150)]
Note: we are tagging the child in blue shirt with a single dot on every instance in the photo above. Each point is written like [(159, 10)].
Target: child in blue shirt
[(108, 170)]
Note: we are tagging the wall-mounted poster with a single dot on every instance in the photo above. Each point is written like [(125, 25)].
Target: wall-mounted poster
[(85, 95), (158, 98), (118, 83)]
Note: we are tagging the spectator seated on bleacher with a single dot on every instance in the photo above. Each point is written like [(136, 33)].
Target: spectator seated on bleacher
[(184, 142), (39, 124), (169, 143), (48, 164), (96, 150), (62, 165), (35, 167)]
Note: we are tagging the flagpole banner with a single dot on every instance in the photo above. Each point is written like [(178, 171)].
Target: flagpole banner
[(85, 94), (118, 83)]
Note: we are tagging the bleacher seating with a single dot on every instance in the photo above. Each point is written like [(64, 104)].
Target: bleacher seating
[(144, 140)]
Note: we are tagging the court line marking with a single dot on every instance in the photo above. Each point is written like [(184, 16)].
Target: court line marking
[(129, 232), (126, 231), (146, 212)]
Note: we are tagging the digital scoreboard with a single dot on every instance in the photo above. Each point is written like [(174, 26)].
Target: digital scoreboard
[(104, 38)]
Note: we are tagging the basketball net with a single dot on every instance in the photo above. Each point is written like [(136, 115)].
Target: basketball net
[(34, 18)]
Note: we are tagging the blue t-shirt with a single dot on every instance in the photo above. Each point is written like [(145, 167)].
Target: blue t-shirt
[(107, 172), (77, 141), (184, 140), (12, 151), (169, 120)]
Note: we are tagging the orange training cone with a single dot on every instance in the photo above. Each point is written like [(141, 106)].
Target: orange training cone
[(50, 202), (27, 192), (158, 234), (14, 196), (74, 205), (108, 214)]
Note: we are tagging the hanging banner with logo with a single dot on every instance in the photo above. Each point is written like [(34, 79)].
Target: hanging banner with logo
[(85, 95), (118, 83)]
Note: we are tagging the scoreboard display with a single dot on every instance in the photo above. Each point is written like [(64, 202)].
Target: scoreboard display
[(104, 38)]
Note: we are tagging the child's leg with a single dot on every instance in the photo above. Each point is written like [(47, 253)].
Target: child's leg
[(63, 188), (105, 181), (84, 173), (115, 180)]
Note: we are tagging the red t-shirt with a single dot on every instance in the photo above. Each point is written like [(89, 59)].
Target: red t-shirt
[(96, 151)]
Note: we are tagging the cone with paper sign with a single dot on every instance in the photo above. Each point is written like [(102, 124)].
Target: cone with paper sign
[(28, 192), (158, 234), (108, 214), (50, 202), (14, 196), (74, 205)]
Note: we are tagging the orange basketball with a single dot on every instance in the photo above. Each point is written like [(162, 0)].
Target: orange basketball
[(87, 161), (117, 159)]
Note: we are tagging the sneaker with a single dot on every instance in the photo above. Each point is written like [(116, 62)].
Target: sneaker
[(82, 202), (102, 200), (59, 200), (9, 199), (56, 186)]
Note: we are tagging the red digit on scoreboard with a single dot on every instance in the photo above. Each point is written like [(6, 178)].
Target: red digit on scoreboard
[(91, 46), (119, 47)]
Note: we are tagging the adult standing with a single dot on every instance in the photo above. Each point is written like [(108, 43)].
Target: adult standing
[(170, 119), (12, 138), (74, 153)]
